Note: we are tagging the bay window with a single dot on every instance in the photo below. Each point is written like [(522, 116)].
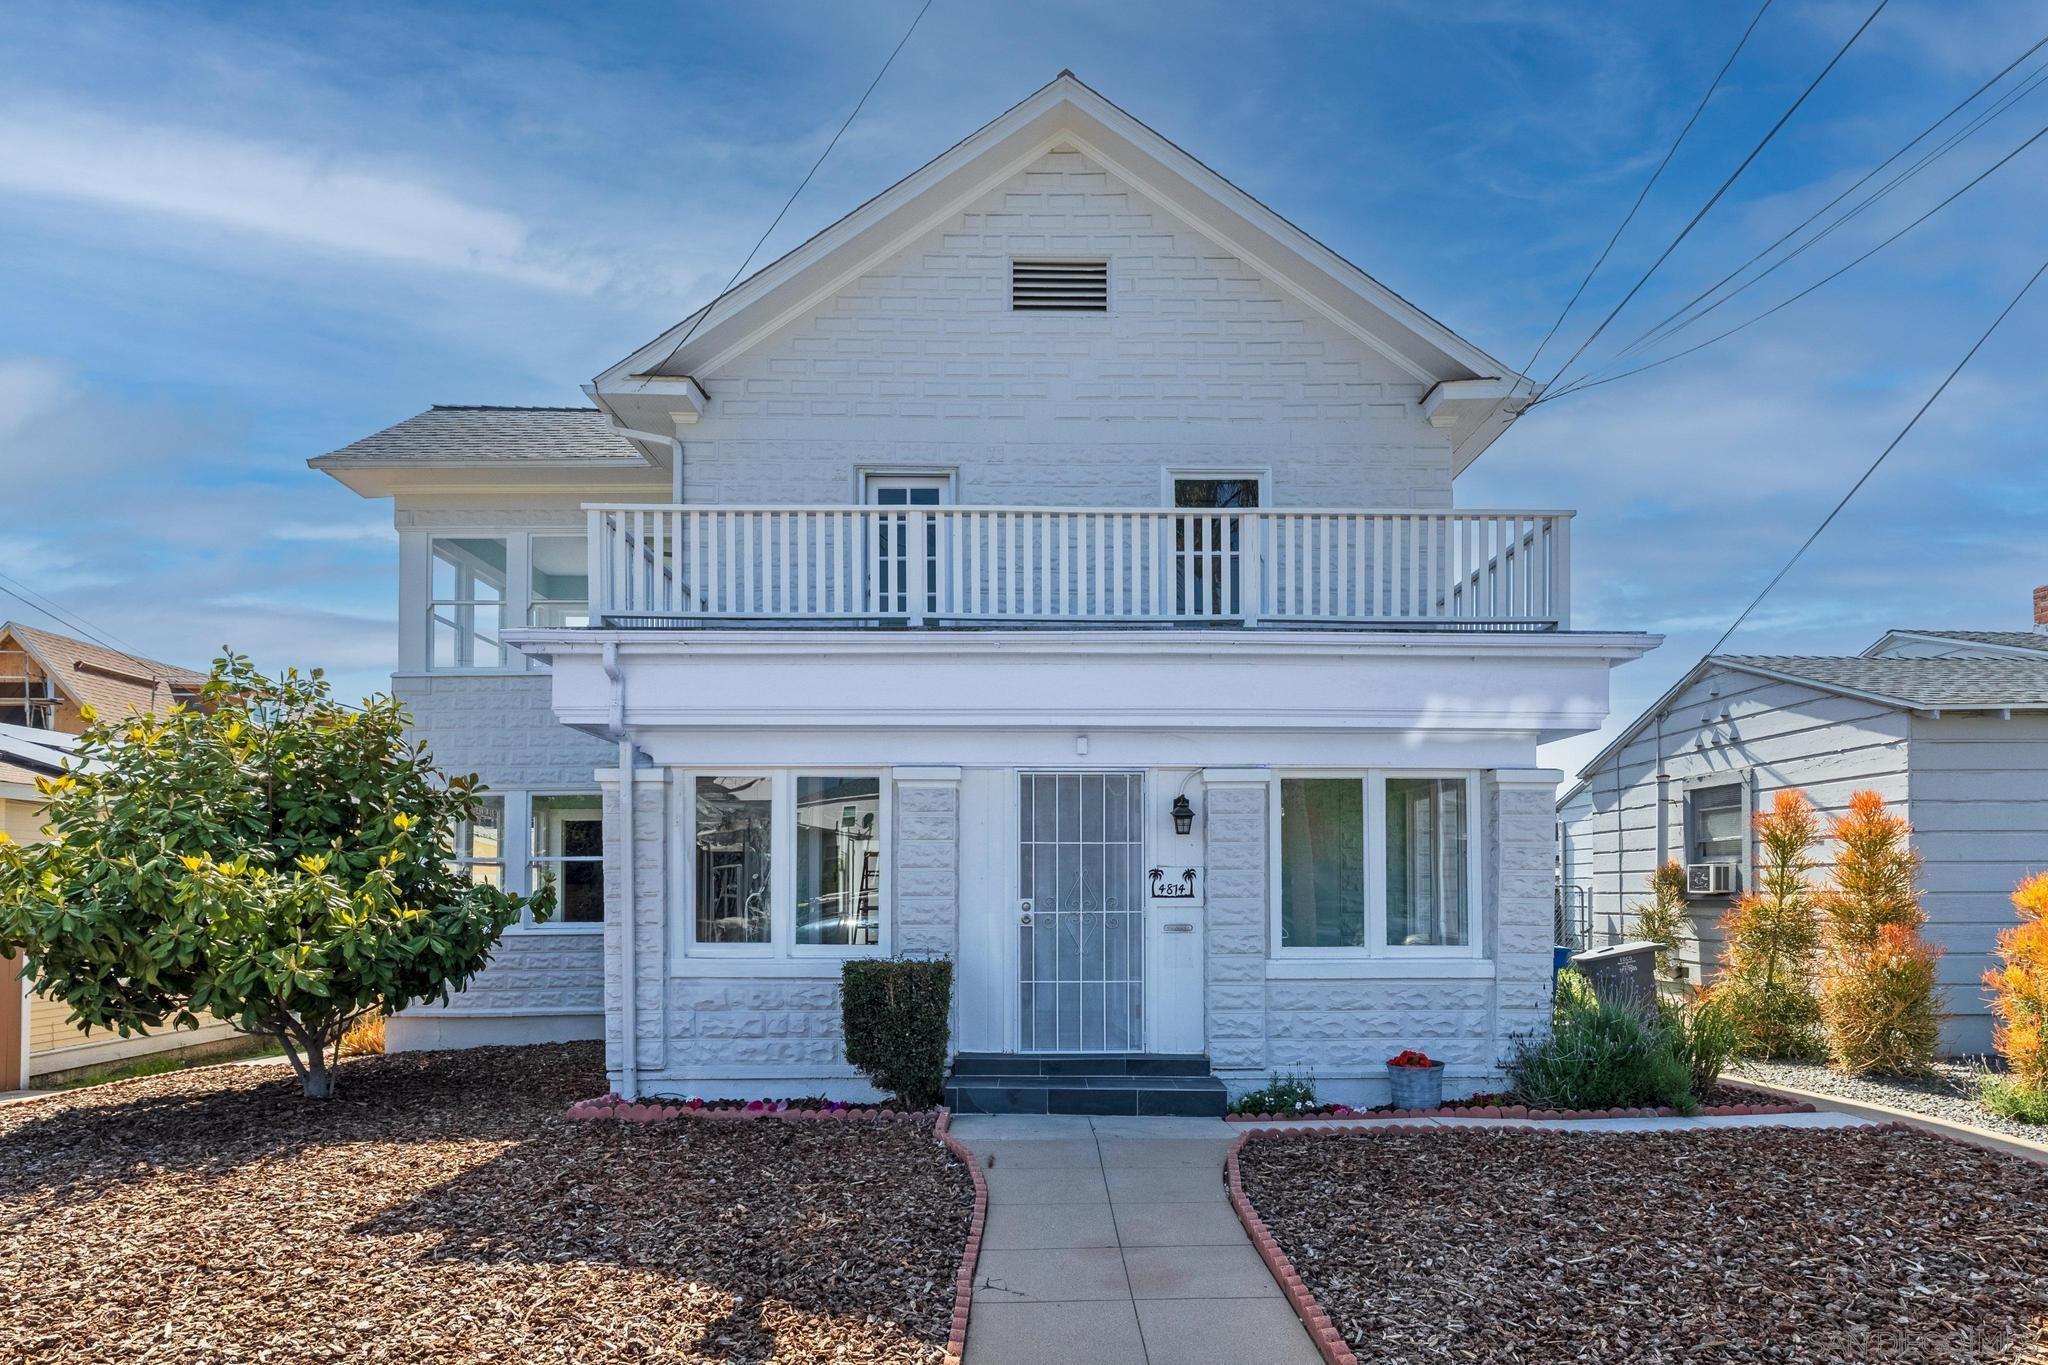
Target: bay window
[(785, 864), (480, 843), (466, 602), (474, 585), (1377, 864)]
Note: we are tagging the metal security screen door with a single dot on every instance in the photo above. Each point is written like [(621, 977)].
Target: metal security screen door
[(1081, 930)]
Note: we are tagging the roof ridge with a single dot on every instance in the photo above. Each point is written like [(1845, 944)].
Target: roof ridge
[(511, 407)]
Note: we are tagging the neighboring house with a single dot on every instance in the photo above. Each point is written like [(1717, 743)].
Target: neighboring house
[(46, 680), (1950, 726), (1052, 565)]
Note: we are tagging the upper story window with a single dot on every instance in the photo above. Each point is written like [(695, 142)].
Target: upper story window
[(1375, 865), (1055, 286), (466, 602), (478, 584), (559, 573), (1714, 821)]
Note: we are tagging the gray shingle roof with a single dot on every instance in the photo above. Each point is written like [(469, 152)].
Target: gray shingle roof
[(1953, 684), (2008, 639), (469, 434)]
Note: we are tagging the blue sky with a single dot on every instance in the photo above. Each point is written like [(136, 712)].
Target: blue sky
[(238, 235)]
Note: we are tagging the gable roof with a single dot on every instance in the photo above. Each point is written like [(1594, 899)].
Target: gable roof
[(1475, 394), (465, 434), (108, 680), (2033, 642), (1907, 684)]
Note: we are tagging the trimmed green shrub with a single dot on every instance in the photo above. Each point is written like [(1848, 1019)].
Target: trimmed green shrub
[(895, 1016), (1601, 1056), (1288, 1094)]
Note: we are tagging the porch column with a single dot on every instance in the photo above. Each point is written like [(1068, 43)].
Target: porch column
[(1234, 991), (650, 911), (1521, 816), (925, 875)]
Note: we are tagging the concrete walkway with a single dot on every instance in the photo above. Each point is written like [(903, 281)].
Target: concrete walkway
[(1110, 1242)]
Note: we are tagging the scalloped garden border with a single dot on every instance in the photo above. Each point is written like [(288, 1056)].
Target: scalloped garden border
[(1764, 1106), (642, 1111)]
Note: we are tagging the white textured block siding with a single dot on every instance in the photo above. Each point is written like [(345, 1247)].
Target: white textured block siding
[(501, 728), (778, 1033), (1198, 362), (1343, 1029)]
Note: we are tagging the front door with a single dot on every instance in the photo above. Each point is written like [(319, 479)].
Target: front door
[(1208, 551), (1081, 912)]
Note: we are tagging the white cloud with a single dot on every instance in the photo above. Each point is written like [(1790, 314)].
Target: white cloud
[(287, 193), (29, 387)]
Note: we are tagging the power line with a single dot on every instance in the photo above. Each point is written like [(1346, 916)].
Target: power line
[(1648, 185), (1629, 217), (1582, 385), (1733, 175), (705, 312), (1672, 324), (1857, 486), (35, 601)]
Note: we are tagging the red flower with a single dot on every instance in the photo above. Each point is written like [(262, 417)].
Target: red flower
[(1410, 1057)]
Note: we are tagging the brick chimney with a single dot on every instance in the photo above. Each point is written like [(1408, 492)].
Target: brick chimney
[(2041, 609)]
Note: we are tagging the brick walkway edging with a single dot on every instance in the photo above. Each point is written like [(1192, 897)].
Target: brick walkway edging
[(1329, 1342), (610, 1107), (1523, 1111)]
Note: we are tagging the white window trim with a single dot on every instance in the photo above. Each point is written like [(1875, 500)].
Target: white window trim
[(781, 946), (1376, 947), (1738, 778), (527, 881), (514, 611), (867, 478)]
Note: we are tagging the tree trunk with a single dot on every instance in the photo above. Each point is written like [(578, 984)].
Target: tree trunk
[(307, 1052)]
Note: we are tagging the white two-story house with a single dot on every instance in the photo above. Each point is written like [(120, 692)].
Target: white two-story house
[(1052, 565)]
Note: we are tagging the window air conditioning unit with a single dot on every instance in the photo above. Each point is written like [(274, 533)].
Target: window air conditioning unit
[(1710, 879)]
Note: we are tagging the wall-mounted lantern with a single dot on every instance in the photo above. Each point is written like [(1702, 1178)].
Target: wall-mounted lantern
[(1183, 815)]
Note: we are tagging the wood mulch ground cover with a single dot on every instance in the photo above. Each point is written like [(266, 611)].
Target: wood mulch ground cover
[(1737, 1245), (443, 1209)]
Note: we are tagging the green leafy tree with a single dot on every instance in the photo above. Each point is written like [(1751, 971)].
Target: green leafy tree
[(267, 855), (1773, 940), (1664, 919)]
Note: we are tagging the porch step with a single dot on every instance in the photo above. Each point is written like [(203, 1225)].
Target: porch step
[(991, 1083)]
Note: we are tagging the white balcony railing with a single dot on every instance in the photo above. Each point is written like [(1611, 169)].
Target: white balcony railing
[(654, 565)]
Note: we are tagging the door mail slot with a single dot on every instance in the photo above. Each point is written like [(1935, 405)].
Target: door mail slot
[(1178, 928)]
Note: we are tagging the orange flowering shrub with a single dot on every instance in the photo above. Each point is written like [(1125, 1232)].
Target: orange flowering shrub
[(2019, 987), (1877, 990), (1773, 935)]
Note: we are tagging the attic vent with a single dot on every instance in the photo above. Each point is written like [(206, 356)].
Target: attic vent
[(1059, 286)]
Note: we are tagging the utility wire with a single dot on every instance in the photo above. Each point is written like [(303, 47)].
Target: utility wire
[(35, 601), (705, 312), (1648, 185), (1733, 175), (1592, 383), (1858, 485), (1629, 217), (1672, 323)]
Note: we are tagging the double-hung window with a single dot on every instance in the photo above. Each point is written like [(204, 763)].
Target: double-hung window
[(466, 602), (1379, 864), (786, 863), (567, 855)]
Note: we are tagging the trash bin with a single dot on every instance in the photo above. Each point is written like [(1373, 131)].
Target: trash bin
[(1623, 974)]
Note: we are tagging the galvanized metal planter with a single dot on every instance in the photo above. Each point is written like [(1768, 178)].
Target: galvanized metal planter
[(1417, 1087)]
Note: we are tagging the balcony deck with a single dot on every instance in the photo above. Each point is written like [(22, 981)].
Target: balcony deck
[(671, 567)]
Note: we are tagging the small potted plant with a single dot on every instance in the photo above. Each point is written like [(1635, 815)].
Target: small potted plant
[(1418, 1082)]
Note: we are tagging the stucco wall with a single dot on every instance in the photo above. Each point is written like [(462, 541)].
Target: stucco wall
[(1198, 362)]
